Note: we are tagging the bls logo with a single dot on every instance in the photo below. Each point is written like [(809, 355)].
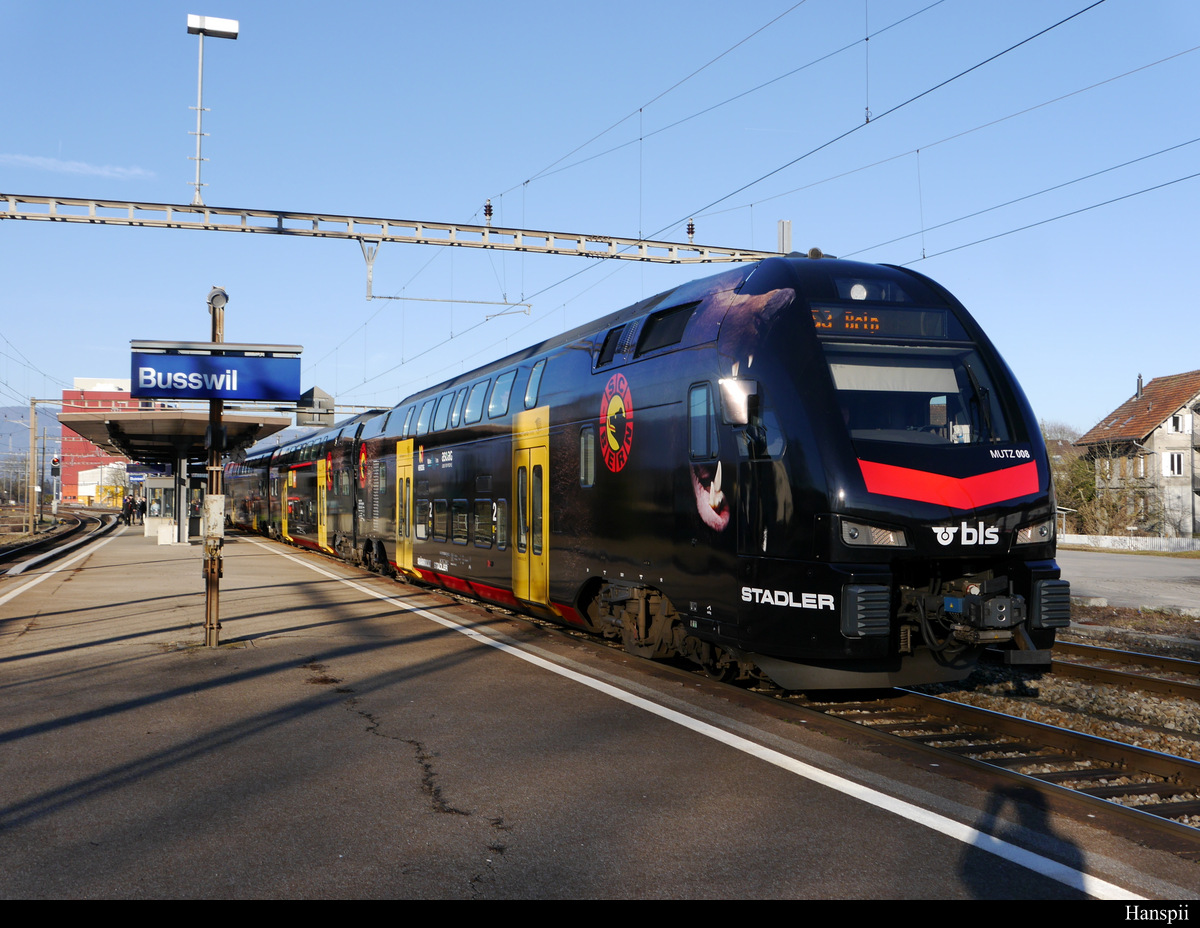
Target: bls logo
[(983, 535)]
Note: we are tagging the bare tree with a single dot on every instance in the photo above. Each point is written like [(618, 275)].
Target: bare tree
[(1058, 431), (1123, 499)]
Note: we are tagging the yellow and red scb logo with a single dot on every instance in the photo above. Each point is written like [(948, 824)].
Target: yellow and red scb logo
[(616, 422)]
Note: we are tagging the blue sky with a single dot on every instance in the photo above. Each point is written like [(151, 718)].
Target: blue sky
[(423, 111)]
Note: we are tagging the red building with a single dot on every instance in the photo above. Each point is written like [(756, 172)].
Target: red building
[(78, 454)]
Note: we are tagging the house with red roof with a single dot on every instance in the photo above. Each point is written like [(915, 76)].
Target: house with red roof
[(1145, 455)]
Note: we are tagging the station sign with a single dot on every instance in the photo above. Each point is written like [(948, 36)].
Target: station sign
[(215, 371)]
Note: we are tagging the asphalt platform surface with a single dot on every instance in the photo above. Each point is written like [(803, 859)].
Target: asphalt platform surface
[(353, 737)]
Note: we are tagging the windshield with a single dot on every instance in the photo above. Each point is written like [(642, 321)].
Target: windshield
[(927, 394)]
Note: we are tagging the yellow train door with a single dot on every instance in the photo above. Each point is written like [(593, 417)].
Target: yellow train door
[(531, 505), (404, 506), (322, 518), (289, 480)]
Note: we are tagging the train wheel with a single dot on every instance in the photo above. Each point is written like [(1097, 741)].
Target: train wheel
[(381, 562), (717, 663), (648, 625), (634, 645)]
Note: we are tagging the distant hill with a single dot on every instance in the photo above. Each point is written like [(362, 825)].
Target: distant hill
[(14, 421)]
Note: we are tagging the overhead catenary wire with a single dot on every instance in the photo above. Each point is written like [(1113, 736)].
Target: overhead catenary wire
[(725, 102), (705, 210), (843, 135), (952, 137), (1042, 222), (876, 119), (1027, 196), (679, 83), (524, 185)]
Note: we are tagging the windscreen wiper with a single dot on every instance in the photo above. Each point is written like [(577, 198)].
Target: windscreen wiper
[(982, 399)]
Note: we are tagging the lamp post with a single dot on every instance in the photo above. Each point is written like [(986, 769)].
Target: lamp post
[(221, 29), (214, 500)]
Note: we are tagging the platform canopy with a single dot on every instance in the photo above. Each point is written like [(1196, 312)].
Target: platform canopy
[(159, 436)]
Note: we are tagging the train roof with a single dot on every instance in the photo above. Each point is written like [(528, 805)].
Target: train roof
[(813, 275), (266, 449)]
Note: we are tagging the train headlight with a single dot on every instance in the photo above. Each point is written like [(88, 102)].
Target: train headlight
[(1036, 534), (862, 534)]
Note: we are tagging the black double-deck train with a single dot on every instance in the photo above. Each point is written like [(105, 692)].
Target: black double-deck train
[(815, 470)]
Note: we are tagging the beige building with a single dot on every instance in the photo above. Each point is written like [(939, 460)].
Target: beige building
[(1145, 455)]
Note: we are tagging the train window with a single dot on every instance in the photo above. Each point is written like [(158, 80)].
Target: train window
[(928, 395), (664, 328), (459, 522), (425, 418), (535, 379), (423, 519), (485, 523), (499, 404), (501, 524), (475, 402), (702, 422), (441, 520), (442, 416), (456, 412), (408, 419), (536, 522), (609, 349), (587, 456)]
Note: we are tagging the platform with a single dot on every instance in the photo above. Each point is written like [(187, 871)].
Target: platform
[(357, 738)]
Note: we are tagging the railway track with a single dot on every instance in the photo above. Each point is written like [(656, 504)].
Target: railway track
[(80, 527), (1157, 790), (1150, 673)]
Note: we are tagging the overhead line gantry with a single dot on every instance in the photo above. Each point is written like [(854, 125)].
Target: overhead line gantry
[(366, 230)]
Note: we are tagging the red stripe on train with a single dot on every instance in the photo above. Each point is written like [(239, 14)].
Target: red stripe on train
[(955, 492)]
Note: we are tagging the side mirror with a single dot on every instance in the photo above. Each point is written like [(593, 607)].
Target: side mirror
[(738, 397)]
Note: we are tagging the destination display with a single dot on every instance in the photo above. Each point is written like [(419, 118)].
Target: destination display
[(864, 320), (214, 377)]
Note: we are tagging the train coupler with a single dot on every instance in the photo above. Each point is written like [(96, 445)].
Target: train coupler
[(981, 636), (1025, 653)]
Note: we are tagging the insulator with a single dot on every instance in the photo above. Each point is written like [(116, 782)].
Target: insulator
[(487, 212), (691, 230)]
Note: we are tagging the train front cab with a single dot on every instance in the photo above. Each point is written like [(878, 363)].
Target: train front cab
[(918, 526)]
